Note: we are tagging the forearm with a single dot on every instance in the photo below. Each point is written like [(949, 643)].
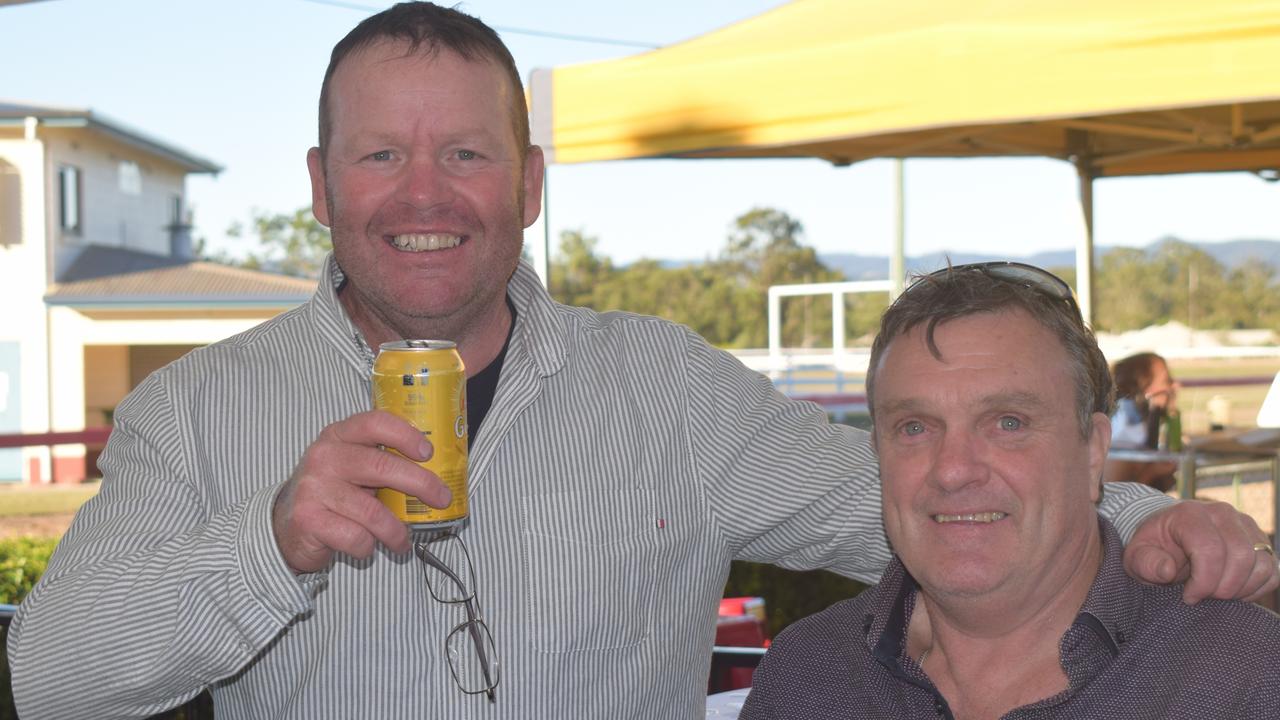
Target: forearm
[(129, 624)]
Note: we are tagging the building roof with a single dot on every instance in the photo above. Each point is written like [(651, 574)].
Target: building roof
[(109, 276), (12, 113)]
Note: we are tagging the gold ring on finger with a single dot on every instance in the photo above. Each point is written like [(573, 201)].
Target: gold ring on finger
[(1266, 548)]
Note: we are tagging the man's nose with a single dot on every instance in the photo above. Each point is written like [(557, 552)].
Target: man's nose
[(425, 183), (958, 461)]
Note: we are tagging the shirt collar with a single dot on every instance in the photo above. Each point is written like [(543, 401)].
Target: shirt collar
[(331, 321), (539, 331)]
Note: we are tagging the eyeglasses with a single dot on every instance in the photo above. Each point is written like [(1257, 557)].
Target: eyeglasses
[(1028, 276), (451, 578)]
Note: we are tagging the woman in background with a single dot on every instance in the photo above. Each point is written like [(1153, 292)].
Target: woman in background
[(1146, 394)]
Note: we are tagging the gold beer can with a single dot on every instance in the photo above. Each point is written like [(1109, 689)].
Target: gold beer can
[(424, 382)]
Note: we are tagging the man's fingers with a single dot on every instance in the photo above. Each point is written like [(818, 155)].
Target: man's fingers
[(1212, 546), (375, 522), (1238, 566), (329, 504), (1151, 564), (380, 428), (383, 469), (1212, 570), (1264, 579), (351, 528), (368, 467), (1242, 572)]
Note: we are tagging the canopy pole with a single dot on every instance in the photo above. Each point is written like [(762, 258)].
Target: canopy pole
[(1084, 253), (1079, 142), (897, 258)]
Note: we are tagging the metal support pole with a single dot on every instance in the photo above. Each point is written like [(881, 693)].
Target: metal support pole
[(1078, 141), (837, 324), (897, 258), (775, 327), (1187, 475)]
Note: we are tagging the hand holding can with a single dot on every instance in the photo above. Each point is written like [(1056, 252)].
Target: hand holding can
[(424, 382), (329, 504)]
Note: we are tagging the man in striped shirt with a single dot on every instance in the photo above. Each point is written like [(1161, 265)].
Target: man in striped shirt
[(618, 462)]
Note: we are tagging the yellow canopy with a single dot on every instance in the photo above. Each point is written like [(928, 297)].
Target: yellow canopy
[(1122, 87), (1117, 87)]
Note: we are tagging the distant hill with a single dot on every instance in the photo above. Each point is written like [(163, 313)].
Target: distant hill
[(1232, 254)]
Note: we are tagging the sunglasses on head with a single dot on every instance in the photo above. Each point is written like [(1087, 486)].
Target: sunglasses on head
[(1028, 276)]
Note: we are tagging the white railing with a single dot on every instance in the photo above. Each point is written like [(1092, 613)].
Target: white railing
[(837, 291)]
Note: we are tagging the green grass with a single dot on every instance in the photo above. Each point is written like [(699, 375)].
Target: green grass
[(44, 500)]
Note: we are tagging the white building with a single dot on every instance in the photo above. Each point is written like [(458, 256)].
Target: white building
[(97, 277)]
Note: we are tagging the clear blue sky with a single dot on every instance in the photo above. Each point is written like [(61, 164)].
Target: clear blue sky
[(237, 82)]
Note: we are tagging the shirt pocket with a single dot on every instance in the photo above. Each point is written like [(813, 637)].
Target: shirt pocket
[(589, 569)]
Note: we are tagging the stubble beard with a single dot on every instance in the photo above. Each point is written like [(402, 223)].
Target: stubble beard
[(371, 308)]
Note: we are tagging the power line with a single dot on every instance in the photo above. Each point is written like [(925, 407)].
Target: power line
[(514, 31)]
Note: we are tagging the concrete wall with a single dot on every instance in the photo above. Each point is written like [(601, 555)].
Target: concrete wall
[(78, 341), (106, 382), (23, 273)]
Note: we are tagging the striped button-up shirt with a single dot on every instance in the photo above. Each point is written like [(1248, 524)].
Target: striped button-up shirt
[(624, 463)]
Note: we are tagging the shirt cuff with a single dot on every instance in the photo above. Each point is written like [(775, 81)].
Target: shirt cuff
[(1128, 504), (262, 567)]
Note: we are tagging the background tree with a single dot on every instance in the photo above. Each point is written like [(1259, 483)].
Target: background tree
[(293, 244), (764, 249), (1195, 286), (576, 269), (725, 300), (1251, 292), (1128, 291)]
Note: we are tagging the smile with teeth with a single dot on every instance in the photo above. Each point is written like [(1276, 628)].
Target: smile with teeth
[(984, 517), (422, 242)]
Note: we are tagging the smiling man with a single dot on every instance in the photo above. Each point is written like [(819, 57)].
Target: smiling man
[(991, 405)]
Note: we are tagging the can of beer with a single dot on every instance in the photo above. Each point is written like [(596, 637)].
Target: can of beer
[(424, 382)]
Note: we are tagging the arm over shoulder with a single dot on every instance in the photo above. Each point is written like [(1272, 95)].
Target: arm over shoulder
[(787, 486)]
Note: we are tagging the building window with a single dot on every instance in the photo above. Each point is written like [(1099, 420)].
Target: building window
[(130, 178), (69, 191)]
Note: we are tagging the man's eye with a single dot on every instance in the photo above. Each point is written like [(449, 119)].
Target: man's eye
[(915, 427), (466, 154), (381, 156), (1010, 423)]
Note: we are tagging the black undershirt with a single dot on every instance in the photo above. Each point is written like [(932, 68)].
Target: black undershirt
[(482, 386)]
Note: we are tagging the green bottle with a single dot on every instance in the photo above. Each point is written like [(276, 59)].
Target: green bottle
[(1173, 431)]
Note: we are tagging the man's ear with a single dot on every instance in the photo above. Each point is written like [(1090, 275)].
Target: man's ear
[(319, 198), (533, 172), (1099, 445)]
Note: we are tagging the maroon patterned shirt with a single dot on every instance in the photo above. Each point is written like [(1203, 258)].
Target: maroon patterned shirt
[(1135, 651)]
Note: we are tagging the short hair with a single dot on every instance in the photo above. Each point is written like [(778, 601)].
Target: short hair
[(961, 291), (427, 27), (1133, 375)]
